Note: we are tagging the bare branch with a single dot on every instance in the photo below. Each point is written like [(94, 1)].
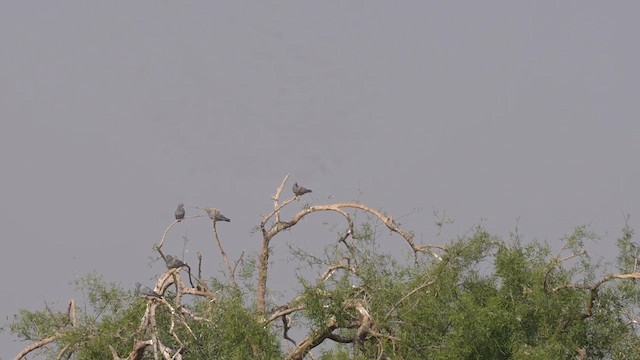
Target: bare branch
[(71, 311), (286, 325), (232, 274), (37, 345), (164, 235), (286, 310), (276, 199), (237, 262), (279, 226), (312, 341), (593, 293)]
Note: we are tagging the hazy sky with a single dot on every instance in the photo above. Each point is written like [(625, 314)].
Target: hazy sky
[(113, 112)]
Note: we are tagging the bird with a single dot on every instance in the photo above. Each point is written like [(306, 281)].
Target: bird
[(146, 291), (299, 190), (180, 212), (173, 263), (215, 215)]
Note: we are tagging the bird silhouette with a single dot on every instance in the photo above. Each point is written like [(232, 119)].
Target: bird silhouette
[(216, 215), (180, 212), (299, 190), (173, 263), (146, 291)]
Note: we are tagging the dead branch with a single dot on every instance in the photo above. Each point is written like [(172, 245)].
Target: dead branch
[(37, 345), (71, 312), (312, 341), (593, 293), (333, 267), (280, 225), (286, 325), (64, 352), (164, 235), (237, 262), (276, 206), (225, 258), (365, 324), (136, 354), (232, 274), (283, 311)]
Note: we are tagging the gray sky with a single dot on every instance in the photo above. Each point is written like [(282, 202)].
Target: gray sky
[(112, 113)]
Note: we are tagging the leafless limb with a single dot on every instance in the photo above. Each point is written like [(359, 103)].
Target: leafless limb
[(65, 353), (268, 232), (593, 293), (284, 311), (286, 325), (164, 235), (333, 267), (71, 312), (276, 206), (312, 341), (37, 345), (232, 274), (225, 258), (237, 262)]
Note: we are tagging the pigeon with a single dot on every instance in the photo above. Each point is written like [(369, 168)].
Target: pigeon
[(299, 190), (173, 263), (215, 215), (146, 291), (180, 212)]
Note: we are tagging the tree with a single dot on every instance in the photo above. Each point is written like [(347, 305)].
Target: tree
[(478, 296)]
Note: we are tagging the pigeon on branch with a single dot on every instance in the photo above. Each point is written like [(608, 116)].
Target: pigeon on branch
[(299, 190), (180, 212)]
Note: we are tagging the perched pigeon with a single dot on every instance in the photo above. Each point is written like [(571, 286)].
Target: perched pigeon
[(173, 263), (180, 212), (299, 190), (215, 215), (146, 291)]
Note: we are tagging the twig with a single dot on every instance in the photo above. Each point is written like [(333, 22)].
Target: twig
[(232, 275), (422, 286)]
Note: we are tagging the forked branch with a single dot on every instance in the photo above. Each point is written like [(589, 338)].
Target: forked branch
[(270, 231)]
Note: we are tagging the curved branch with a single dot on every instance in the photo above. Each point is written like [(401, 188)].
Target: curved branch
[(285, 310), (312, 341), (279, 226), (164, 235), (594, 291), (38, 344)]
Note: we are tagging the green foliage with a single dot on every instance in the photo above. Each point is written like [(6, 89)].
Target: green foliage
[(113, 318), (231, 332), (32, 325), (486, 299), (117, 330)]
